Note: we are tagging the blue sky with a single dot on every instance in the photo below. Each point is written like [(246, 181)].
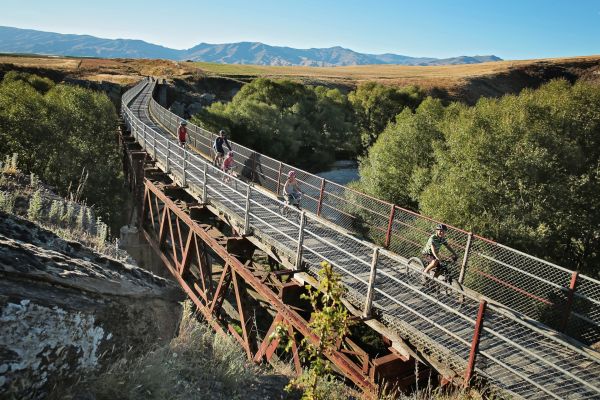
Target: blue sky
[(510, 29)]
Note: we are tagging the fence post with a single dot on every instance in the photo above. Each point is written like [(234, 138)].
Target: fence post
[(204, 183), (247, 215), (144, 134), (298, 263), (321, 190), (278, 179), (184, 178), (168, 156), (372, 275), (475, 342), (253, 155), (388, 234), (569, 305), (154, 146), (463, 267)]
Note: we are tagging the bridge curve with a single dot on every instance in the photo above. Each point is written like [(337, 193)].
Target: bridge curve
[(463, 329)]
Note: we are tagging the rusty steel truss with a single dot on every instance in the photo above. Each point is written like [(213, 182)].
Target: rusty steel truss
[(189, 247)]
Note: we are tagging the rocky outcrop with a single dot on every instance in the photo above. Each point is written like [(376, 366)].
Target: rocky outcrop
[(66, 310)]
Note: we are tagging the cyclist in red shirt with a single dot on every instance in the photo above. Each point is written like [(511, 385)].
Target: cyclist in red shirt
[(228, 167), (182, 133)]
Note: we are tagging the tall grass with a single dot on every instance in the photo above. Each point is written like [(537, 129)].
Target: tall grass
[(66, 217), (197, 364)]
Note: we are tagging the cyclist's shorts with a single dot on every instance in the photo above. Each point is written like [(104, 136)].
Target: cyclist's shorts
[(292, 197), (427, 258)]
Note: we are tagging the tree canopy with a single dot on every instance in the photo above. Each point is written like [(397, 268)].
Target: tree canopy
[(523, 169), (300, 124), (377, 105), (61, 132)]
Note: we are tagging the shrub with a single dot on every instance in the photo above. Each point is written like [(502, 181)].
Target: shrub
[(36, 206)]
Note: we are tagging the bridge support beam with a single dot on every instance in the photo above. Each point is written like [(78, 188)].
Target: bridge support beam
[(183, 262)]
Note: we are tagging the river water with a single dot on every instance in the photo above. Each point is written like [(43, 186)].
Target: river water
[(341, 172)]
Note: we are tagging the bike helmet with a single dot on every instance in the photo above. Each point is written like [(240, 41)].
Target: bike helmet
[(221, 132), (184, 122), (291, 174), (230, 154), (441, 227)]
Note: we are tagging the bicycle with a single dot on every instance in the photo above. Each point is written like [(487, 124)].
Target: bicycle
[(443, 272), (289, 201)]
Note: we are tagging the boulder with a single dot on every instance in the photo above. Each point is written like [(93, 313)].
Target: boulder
[(66, 310)]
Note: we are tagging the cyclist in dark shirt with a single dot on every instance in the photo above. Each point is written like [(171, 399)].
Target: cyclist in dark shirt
[(218, 147)]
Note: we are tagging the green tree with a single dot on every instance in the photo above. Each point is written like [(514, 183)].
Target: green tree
[(376, 105), (286, 120), (523, 169), (58, 131), (397, 165), (39, 83)]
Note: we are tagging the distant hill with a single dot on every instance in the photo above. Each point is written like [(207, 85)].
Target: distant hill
[(28, 41)]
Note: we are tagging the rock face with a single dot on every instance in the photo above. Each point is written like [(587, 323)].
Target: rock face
[(65, 310)]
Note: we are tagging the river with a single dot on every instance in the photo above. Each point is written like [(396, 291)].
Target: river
[(341, 172)]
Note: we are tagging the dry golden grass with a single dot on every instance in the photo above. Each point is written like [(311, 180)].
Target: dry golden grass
[(121, 71), (41, 62), (425, 76), (449, 77)]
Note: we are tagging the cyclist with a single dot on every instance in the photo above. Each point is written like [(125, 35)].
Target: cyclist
[(182, 133), (431, 252), (291, 190), (228, 167), (218, 147)]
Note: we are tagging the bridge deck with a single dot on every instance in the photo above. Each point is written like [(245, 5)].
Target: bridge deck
[(516, 356)]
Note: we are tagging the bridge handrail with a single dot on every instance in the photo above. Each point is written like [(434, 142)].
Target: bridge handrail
[(461, 305), (518, 280)]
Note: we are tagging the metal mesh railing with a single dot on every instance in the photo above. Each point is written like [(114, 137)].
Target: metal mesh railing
[(532, 286), (442, 321)]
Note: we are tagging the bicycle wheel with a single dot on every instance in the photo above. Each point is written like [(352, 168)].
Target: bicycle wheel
[(413, 265)]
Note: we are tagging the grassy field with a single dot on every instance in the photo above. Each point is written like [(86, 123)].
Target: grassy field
[(121, 71), (443, 76), (463, 82)]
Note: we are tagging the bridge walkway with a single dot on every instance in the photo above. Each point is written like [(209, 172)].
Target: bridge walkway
[(514, 354)]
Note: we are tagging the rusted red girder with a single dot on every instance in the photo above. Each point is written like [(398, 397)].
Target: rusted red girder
[(291, 318)]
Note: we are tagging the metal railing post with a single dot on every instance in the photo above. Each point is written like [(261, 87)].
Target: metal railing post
[(298, 263), (278, 179), (388, 233), (144, 134), (569, 304), (372, 276), (321, 196), (247, 214), (183, 168), (168, 156), (463, 267), (253, 155), (153, 145), (475, 342), (204, 183)]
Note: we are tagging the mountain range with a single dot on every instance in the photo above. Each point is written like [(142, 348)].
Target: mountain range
[(29, 41)]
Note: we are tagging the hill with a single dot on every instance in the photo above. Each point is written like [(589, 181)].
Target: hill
[(29, 41)]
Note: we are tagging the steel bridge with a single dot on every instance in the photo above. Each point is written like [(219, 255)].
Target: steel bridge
[(519, 324)]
